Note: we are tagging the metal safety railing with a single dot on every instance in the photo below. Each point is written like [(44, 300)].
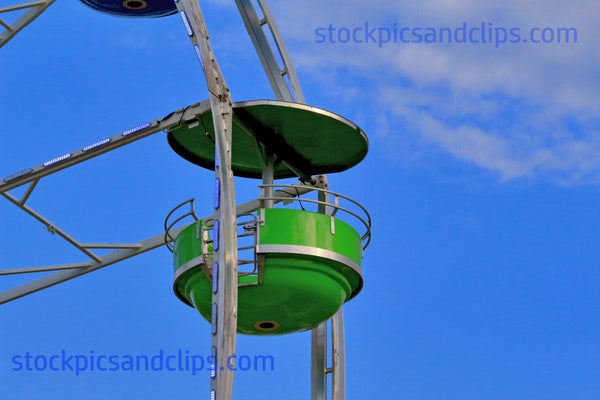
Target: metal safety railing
[(170, 225), (247, 241), (247, 237), (335, 205), (332, 205)]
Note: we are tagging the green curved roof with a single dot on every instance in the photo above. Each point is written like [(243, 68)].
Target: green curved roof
[(305, 140)]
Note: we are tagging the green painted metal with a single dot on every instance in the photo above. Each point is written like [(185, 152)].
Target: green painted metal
[(315, 141), (304, 228), (297, 291), (187, 245)]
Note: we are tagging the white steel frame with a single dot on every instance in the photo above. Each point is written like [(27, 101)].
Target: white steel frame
[(34, 9)]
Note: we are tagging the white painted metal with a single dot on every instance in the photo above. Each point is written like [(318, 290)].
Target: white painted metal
[(225, 248), (67, 274), (28, 192), (110, 245), (338, 355), (14, 271), (319, 334), (34, 9), (308, 251), (318, 373), (288, 66), (77, 156), (267, 179), (51, 227), (275, 72)]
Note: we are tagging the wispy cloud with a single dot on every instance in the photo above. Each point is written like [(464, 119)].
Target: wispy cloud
[(527, 110)]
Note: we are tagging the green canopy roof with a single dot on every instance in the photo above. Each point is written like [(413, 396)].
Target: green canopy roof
[(305, 140)]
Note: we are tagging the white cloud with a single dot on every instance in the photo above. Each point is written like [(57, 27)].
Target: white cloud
[(527, 110)]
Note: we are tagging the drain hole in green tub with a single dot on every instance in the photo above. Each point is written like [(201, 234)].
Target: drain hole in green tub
[(267, 325)]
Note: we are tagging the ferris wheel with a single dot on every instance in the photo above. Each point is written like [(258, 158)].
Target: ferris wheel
[(265, 267)]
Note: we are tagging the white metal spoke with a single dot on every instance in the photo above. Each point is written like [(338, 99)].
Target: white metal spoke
[(110, 245), (224, 309), (34, 9), (67, 274), (29, 270), (52, 228)]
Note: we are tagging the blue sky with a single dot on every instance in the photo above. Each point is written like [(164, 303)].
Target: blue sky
[(482, 179)]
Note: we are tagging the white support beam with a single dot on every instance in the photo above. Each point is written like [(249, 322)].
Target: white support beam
[(110, 245), (34, 10), (288, 66), (319, 334), (318, 369), (225, 298), (15, 271), (103, 146), (338, 356), (275, 73), (51, 227), (67, 274), (28, 192), (23, 6)]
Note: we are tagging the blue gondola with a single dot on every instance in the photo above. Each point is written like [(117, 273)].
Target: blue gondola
[(133, 8)]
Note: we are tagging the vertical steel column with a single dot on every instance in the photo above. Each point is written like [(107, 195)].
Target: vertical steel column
[(225, 276), (268, 177), (318, 368), (319, 334), (338, 355)]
